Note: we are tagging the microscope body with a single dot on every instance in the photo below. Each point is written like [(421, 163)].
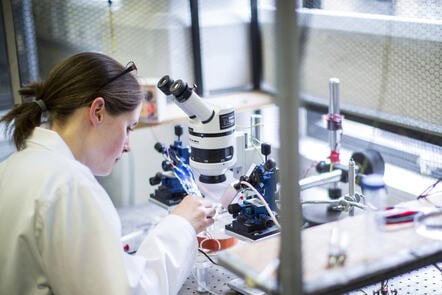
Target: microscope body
[(211, 131), (213, 144)]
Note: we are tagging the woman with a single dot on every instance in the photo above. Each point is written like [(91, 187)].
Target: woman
[(60, 230)]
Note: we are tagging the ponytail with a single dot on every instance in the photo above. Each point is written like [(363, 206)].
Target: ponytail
[(23, 118)]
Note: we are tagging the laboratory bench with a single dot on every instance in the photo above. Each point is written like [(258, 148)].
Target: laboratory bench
[(369, 255), (407, 262)]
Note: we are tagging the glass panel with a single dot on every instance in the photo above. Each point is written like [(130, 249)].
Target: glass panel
[(266, 16), (225, 44), (386, 54), (6, 99)]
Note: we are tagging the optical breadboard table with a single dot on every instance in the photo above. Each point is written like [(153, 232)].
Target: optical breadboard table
[(372, 255)]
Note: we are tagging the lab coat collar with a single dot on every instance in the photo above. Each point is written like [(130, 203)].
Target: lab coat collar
[(50, 140)]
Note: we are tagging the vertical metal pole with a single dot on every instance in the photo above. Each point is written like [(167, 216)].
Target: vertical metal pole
[(333, 109), (255, 128), (351, 184), (25, 30), (287, 57), (256, 46), (11, 50), (196, 46), (334, 142)]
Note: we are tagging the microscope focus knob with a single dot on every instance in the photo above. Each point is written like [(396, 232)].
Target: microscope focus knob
[(159, 147), (266, 149), (155, 179), (167, 165), (234, 209), (178, 130)]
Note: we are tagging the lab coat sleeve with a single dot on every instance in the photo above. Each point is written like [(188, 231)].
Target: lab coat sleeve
[(79, 243), (169, 252), (78, 234)]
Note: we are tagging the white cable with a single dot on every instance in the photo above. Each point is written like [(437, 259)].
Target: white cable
[(264, 202)]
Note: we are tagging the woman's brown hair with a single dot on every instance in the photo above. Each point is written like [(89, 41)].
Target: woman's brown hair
[(73, 83)]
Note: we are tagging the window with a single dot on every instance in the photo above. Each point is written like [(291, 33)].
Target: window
[(387, 56), (6, 99), (389, 65), (225, 45), (159, 35)]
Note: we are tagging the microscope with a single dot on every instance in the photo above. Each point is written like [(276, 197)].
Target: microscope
[(210, 152), (213, 151), (211, 131)]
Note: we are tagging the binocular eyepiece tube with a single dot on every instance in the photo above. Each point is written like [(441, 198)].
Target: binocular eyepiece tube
[(186, 99)]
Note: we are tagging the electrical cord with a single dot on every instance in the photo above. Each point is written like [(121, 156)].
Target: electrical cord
[(429, 190), (438, 267), (207, 256), (200, 278)]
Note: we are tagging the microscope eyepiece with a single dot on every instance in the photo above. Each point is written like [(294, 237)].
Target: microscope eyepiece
[(177, 87), (164, 84), (180, 90)]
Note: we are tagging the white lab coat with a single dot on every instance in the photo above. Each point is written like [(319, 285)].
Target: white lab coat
[(60, 232)]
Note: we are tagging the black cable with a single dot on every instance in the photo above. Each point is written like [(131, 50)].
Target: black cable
[(438, 267), (207, 256), (428, 191)]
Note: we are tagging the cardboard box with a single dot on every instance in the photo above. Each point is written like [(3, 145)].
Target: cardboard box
[(155, 104)]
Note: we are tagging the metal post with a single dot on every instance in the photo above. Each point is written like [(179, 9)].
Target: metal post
[(196, 47), (11, 49), (287, 57), (256, 48)]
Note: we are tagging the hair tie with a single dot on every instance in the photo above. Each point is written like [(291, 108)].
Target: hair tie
[(42, 105), (44, 110)]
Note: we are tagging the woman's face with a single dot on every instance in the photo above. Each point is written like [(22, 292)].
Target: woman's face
[(112, 141)]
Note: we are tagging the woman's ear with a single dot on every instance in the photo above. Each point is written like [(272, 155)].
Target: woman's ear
[(97, 111)]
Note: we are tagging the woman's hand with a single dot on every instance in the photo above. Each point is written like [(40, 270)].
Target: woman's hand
[(197, 211)]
